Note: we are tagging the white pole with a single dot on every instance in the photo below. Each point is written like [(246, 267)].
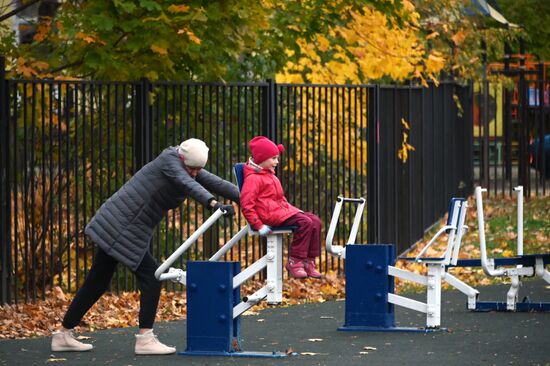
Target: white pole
[(335, 250), (519, 190), (186, 244), (356, 222), (227, 246), (481, 225)]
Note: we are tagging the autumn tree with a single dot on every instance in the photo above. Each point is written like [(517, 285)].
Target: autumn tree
[(531, 16), (464, 35), (206, 40)]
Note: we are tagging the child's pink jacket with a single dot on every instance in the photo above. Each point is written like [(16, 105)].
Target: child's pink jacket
[(262, 198)]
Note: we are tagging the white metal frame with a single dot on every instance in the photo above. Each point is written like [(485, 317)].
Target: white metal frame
[(436, 271), (436, 267), (514, 273), (338, 250), (272, 260)]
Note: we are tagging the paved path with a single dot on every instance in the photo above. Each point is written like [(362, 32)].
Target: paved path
[(473, 338)]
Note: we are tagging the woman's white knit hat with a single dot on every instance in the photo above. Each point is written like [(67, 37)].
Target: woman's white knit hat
[(194, 152)]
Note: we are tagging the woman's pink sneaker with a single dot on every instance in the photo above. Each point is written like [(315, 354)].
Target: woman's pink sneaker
[(310, 268), (295, 268)]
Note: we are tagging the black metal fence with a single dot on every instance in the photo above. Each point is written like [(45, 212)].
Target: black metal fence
[(407, 198), (512, 127), (68, 145)]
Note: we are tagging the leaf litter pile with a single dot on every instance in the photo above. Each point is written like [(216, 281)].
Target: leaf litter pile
[(121, 310)]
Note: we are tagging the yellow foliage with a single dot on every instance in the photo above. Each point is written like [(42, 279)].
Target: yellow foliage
[(30, 68), (159, 50), (367, 48), (42, 30), (192, 37), (432, 35), (86, 37), (372, 49), (178, 8), (459, 37), (403, 152)]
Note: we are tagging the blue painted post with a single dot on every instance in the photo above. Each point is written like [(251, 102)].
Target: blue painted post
[(368, 286), (211, 329)]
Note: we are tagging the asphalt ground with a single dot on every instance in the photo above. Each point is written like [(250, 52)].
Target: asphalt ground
[(490, 338)]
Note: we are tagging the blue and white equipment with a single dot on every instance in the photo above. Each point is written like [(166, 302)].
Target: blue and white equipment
[(370, 273), (514, 268), (214, 305)]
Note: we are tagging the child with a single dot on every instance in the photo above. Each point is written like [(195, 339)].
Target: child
[(264, 205)]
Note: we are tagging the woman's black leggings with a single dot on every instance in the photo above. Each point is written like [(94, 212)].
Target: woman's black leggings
[(98, 281)]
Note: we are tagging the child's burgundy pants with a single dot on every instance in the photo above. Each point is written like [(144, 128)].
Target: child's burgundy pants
[(306, 241)]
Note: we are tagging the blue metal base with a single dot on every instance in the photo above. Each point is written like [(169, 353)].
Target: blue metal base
[(390, 329), (237, 354), (520, 306)]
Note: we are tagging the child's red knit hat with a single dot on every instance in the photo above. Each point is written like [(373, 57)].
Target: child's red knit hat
[(263, 148)]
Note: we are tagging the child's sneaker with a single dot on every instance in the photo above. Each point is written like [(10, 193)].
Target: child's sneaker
[(309, 267), (295, 268)]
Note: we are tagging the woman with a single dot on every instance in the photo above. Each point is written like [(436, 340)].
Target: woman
[(122, 229)]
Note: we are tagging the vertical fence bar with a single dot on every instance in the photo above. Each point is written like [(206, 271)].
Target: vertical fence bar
[(14, 221), (143, 140), (75, 166), (84, 167), (43, 187), (507, 123), (373, 160), (485, 123), (52, 184), (522, 106), (539, 89), (5, 187)]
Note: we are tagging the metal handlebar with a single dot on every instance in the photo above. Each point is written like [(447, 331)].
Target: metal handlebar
[(338, 250), (159, 273)]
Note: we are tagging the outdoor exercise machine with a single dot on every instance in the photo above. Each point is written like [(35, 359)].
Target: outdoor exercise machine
[(514, 268), (214, 303), (370, 272)]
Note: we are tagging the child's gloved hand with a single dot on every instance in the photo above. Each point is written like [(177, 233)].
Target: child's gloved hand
[(264, 230)]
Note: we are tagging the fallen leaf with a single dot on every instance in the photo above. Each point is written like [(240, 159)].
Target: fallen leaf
[(313, 354), (59, 294), (235, 345)]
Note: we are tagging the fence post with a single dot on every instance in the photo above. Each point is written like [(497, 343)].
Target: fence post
[(5, 190), (508, 119), (373, 196), (523, 174), (484, 116), (143, 135), (269, 109)]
